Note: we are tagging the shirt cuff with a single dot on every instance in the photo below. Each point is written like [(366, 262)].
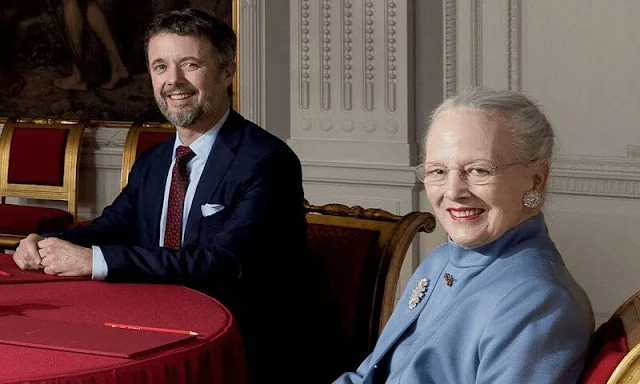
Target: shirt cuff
[(100, 268)]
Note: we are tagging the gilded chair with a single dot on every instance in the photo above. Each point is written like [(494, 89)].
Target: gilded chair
[(140, 138), (39, 160), (614, 356), (358, 253)]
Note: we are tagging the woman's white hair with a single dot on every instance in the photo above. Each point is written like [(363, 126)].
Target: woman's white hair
[(533, 135)]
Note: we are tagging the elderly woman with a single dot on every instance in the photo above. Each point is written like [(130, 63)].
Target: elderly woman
[(495, 303)]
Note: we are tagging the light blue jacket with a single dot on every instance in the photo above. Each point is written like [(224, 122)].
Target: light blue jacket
[(512, 314)]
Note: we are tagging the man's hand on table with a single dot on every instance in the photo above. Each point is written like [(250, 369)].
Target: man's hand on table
[(27, 255), (55, 256), (60, 257)]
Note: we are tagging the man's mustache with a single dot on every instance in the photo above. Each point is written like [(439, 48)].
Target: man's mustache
[(177, 89)]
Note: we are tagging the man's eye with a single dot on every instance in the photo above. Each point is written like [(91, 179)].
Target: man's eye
[(159, 67), (191, 65)]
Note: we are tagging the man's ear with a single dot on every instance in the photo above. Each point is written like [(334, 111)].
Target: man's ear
[(228, 73), (541, 171)]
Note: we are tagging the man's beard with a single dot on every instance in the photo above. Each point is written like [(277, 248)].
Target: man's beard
[(183, 117)]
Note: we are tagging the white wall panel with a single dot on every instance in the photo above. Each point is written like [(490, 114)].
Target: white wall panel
[(598, 238), (579, 60)]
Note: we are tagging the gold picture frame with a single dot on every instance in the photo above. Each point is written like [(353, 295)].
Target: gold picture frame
[(39, 57)]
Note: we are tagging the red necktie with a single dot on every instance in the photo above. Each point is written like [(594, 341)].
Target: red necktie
[(179, 182)]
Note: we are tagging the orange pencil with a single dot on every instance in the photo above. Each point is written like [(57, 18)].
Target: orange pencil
[(5, 274), (144, 328)]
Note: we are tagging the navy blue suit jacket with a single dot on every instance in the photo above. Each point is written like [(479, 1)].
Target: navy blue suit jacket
[(252, 255)]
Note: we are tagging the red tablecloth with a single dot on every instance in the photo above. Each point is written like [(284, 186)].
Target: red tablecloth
[(216, 356)]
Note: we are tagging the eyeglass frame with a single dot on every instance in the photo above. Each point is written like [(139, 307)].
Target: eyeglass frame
[(421, 172)]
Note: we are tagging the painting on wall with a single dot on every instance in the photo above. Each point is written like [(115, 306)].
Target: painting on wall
[(82, 59)]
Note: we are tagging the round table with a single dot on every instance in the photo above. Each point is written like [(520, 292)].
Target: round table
[(215, 356)]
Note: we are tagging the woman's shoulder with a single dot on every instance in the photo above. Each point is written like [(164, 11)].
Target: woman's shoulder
[(537, 275), (538, 257)]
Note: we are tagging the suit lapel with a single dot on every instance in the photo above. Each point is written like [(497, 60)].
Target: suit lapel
[(219, 160), (154, 191)]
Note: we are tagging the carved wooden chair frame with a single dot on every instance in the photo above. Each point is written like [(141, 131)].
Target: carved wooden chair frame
[(628, 370), (396, 235)]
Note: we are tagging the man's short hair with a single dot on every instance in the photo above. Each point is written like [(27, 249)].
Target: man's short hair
[(197, 23)]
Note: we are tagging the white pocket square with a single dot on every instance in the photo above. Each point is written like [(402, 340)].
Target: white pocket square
[(211, 209)]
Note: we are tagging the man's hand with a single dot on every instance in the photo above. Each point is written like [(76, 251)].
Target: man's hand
[(27, 255), (60, 257)]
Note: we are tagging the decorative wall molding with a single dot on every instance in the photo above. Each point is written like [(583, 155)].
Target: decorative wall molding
[(377, 175), (101, 159), (369, 53), (595, 176), (572, 175), (515, 42), (305, 52), (594, 166), (347, 55), (102, 137), (476, 43), (582, 186), (356, 152), (352, 91), (577, 176), (391, 75), (450, 48), (482, 44), (325, 48), (252, 60)]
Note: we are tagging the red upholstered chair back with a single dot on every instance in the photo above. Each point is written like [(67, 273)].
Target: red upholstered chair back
[(614, 355), (39, 160), (27, 145), (140, 138), (358, 253)]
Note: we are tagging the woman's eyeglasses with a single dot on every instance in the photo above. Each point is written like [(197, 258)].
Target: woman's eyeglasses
[(476, 173)]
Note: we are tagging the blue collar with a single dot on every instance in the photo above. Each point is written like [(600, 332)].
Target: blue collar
[(531, 230)]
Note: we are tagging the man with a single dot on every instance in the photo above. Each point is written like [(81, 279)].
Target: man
[(241, 236)]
